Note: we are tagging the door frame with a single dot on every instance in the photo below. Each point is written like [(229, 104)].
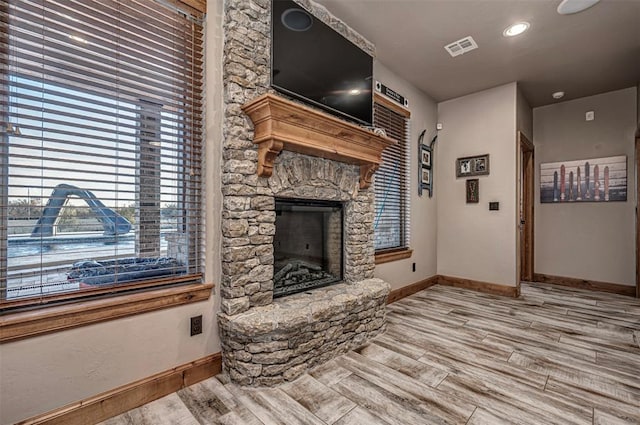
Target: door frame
[(638, 214), (527, 157)]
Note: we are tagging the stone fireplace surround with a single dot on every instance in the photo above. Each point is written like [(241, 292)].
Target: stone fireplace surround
[(270, 342), (266, 341)]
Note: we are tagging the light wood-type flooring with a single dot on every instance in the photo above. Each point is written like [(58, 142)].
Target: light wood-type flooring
[(554, 356)]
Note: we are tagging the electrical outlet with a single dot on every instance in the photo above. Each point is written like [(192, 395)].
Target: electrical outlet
[(196, 325)]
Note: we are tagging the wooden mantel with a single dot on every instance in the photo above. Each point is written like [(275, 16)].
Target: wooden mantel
[(283, 124)]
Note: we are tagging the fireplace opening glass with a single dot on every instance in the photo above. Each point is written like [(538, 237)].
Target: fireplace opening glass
[(307, 245)]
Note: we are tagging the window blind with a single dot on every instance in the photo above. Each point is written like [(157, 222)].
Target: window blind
[(100, 161), (391, 183)]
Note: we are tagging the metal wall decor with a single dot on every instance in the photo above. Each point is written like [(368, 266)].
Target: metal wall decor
[(425, 164), (473, 191), (391, 94)]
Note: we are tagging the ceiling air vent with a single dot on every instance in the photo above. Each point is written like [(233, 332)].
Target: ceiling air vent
[(461, 46)]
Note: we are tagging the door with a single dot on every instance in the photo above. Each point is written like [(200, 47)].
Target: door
[(526, 208)]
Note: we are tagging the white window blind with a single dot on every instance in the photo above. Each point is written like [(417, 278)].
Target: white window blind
[(391, 183), (100, 160)]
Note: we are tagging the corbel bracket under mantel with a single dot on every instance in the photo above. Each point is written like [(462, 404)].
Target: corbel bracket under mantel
[(283, 124)]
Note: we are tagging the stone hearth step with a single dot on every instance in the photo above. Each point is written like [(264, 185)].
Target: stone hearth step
[(271, 344)]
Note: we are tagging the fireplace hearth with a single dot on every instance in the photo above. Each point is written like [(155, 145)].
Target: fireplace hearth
[(307, 245)]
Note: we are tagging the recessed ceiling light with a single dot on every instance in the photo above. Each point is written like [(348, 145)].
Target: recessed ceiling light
[(516, 29), (558, 95), (568, 7)]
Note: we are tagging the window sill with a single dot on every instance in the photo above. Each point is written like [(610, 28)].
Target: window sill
[(389, 256), (25, 324)]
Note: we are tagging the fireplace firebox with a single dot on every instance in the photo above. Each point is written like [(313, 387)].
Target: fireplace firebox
[(307, 245)]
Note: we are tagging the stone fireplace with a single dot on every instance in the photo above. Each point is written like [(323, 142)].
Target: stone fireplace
[(277, 339), (290, 157)]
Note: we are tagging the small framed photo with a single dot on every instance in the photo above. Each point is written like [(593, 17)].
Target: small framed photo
[(426, 157), (472, 166), (426, 176), (480, 165), (473, 194), (464, 167)]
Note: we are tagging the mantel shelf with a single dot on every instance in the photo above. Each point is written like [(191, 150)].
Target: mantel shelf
[(282, 124)]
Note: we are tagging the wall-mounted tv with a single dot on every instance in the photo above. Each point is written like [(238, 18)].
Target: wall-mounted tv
[(314, 63)]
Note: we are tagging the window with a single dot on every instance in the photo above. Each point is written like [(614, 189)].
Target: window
[(101, 149), (391, 186)]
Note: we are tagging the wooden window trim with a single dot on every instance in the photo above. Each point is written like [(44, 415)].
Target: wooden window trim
[(197, 8), (394, 255), (22, 317), (26, 324), (389, 104)]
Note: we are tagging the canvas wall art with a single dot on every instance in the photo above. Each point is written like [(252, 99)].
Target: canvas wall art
[(589, 180)]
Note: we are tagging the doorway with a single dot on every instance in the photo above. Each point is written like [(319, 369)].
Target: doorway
[(638, 215), (526, 207)]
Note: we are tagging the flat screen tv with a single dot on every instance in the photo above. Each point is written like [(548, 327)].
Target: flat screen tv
[(314, 63)]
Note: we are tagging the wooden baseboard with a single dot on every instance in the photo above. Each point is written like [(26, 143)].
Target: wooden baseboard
[(593, 285), (127, 397), (405, 291), (476, 285)]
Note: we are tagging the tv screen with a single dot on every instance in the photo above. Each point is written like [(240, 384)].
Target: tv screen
[(314, 63)]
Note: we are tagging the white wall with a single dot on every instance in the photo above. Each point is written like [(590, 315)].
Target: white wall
[(423, 209), (473, 242), (46, 372), (593, 241), (524, 116)]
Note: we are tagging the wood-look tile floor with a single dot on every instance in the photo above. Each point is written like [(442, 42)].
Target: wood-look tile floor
[(555, 356)]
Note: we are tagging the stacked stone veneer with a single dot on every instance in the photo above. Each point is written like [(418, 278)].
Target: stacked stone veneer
[(268, 345), (265, 342), (333, 244)]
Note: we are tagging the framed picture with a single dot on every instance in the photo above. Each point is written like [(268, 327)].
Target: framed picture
[(480, 165), (426, 157), (425, 164), (473, 194), (585, 180), (426, 176), (472, 166)]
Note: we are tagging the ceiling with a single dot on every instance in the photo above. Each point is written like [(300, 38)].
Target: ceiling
[(590, 52)]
